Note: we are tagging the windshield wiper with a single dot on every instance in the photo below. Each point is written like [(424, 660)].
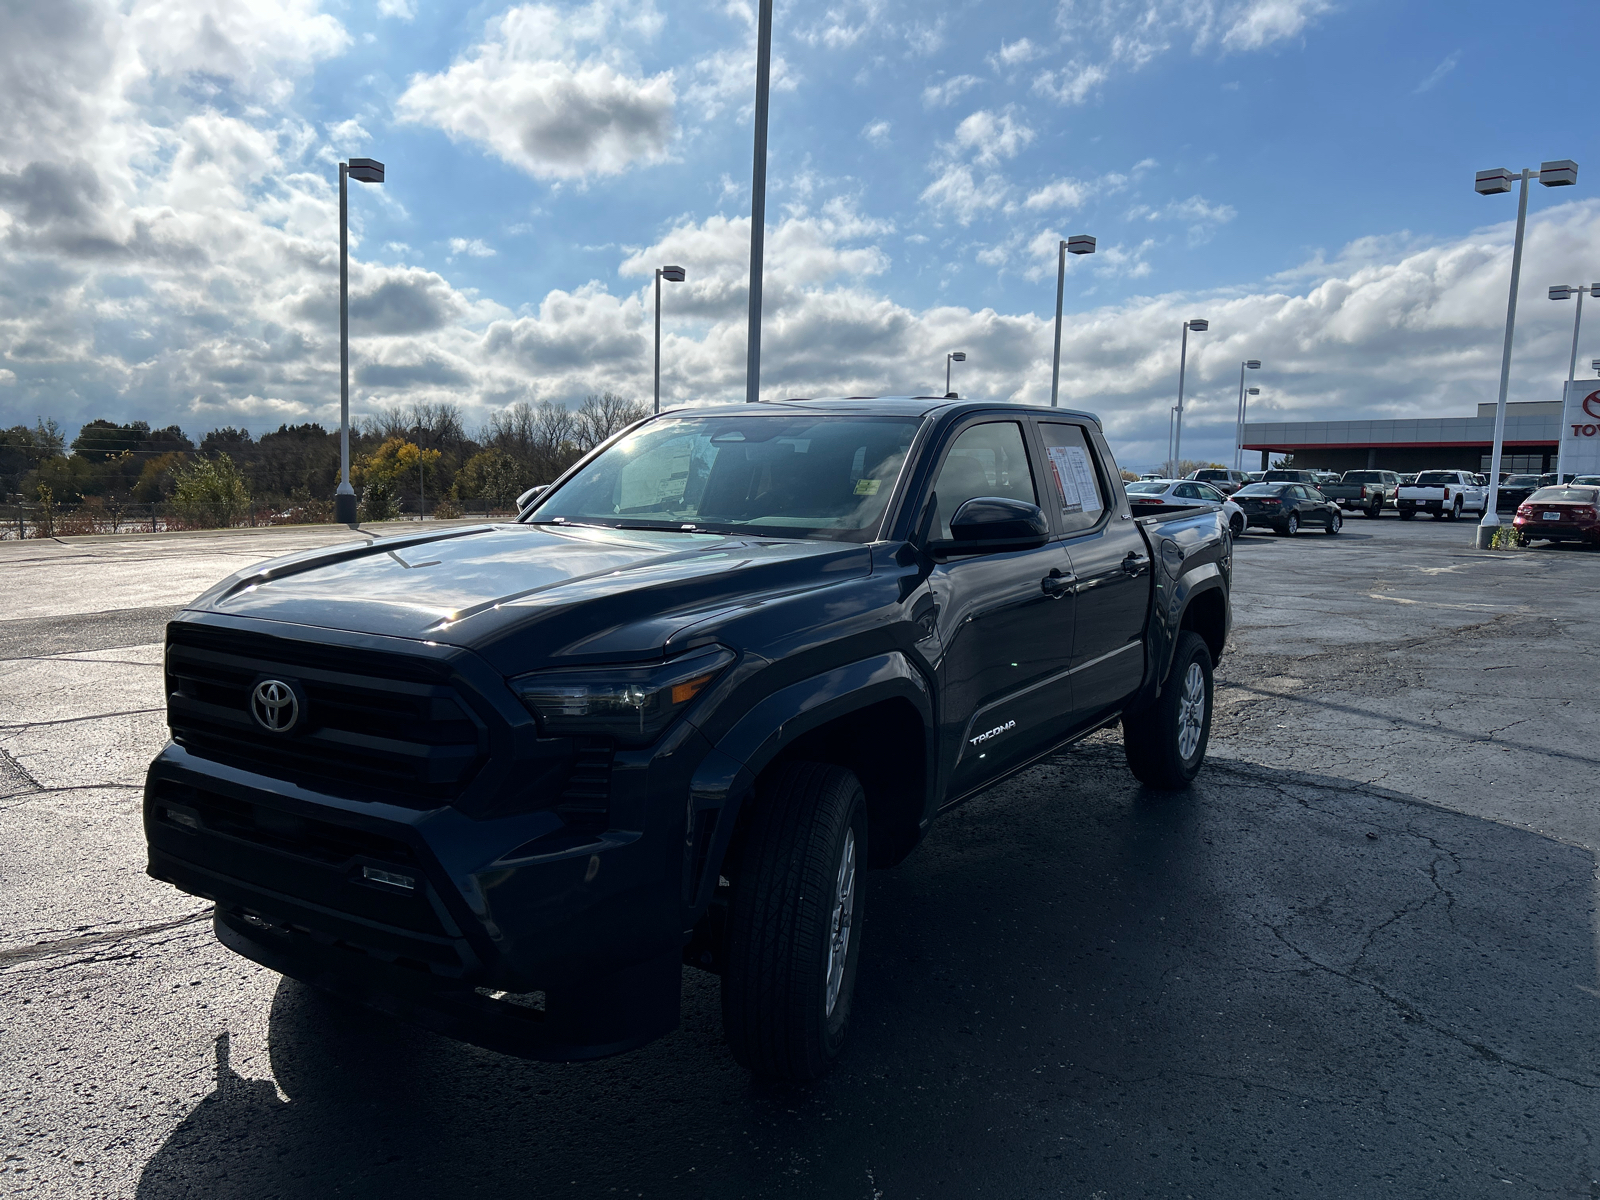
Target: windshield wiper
[(663, 527)]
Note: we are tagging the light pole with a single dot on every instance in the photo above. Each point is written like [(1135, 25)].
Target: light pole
[(671, 275), (1562, 291), (758, 202), (1172, 462), (1079, 243), (953, 356), (1249, 364), (1244, 408), (1199, 325), (1558, 173), (366, 170)]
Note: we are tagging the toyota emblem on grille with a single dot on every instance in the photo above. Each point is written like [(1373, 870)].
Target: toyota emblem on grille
[(275, 706)]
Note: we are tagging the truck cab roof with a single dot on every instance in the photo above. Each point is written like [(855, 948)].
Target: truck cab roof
[(887, 406)]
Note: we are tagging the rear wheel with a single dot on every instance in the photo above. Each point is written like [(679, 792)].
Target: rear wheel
[(1236, 526), (1291, 526), (1165, 744), (794, 922), (1408, 514), (1375, 510), (1335, 521)]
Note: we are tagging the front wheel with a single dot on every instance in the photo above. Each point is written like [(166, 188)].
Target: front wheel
[(1165, 744), (1335, 521), (794, 922)]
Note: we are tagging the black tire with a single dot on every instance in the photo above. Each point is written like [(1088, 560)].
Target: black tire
[(783, 918), (1335, 521), (1375, 510), (1290, 526), (1153, 739), (1408, 514), (1236, 526)]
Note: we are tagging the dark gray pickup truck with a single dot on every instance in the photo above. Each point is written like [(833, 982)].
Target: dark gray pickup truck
[(506, 780), (1367, 492)]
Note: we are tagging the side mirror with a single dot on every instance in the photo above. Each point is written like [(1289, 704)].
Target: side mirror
[(529, 496), (986, 524)]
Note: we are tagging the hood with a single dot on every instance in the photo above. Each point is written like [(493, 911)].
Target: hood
[(521, 587)]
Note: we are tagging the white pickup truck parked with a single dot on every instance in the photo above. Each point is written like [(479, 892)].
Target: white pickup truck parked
[(1444, 494)]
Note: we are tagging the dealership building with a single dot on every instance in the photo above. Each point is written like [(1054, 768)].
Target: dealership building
[(1532, 436)]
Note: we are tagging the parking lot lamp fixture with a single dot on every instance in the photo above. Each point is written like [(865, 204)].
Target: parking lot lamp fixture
[(365, 170), (1244, 409), (1249, 364), (1559, 173), (1199, 325), (1079, 243), (1563, 291), (953, 356), (671, 275)]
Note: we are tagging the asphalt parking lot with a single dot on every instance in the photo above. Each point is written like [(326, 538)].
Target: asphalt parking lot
[(1359, 958)]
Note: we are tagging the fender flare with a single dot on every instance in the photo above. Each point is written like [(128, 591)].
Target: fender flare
[(1166, 620), (727, 775)]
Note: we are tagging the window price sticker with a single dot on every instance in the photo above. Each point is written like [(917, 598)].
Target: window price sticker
[(1074, 479)]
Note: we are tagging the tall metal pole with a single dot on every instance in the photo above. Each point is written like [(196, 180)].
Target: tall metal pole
[(344, 499), (758, 202), (1572, 368), (1183, 362), (946, 374), (1491, 517), (1055, 364), (658, 339), (1238, 422)]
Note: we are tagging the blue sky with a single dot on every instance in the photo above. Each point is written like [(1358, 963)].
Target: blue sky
[(1299, 171)]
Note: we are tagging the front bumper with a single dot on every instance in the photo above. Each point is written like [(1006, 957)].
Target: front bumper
[(514, 933)]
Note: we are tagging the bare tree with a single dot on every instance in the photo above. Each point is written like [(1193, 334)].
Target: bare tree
[(542, 437), (601, 416)]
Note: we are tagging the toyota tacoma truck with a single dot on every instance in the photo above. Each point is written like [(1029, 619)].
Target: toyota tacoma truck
[(506, 780), (1364, 491), (1444, 494)]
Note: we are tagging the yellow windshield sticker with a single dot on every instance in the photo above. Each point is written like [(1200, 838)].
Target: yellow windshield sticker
[(868, 487)]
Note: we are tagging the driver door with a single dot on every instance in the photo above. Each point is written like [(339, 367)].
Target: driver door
[(1004, 619)]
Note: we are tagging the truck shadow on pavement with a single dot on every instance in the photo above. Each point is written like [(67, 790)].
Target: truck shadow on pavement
[(1271, 985)]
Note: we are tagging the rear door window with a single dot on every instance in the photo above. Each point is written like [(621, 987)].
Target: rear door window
[(1075, 484)]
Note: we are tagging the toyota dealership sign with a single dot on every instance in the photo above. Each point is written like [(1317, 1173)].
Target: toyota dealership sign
[(1580, 428)]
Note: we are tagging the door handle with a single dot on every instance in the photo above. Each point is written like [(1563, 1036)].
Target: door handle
[(1057, 584), (1134, 565)]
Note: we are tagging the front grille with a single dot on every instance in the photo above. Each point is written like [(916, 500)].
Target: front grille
[(376, 726)]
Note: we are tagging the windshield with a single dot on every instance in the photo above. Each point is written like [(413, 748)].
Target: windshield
[(1363, 477), (1259, 489), (1148, 487), (1562, 495), (1587, 479), (1282, 476), (1521, 481), (780, 476), (1210, 473), (1436, 478)]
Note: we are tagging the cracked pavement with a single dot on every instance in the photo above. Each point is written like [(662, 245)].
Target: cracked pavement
[(1359, 958)]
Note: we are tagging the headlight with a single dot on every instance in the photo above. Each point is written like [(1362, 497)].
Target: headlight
[(632, 704)]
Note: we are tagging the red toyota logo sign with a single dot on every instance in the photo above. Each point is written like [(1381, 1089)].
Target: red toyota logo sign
[(1591, 405)]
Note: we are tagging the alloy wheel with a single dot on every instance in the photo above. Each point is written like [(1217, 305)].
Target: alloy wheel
[(844, 904), (1191, 711)]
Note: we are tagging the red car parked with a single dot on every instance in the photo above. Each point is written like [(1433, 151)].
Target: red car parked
[(1560, 514)]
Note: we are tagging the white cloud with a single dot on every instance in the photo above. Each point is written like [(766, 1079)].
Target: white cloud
[(527, 95), (947, 91), (1060, 194), (967, 181), (347, 135), (1438, 73), (876, 132), (405, 10), (471, 247), (8, 378), (1015, 53), (1127, 35)]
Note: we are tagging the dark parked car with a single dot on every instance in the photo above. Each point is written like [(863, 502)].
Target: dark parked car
[(506, 780), (1224, 479), (1565, 513), (1285, 507), (1288, 475), (1515, 489)]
